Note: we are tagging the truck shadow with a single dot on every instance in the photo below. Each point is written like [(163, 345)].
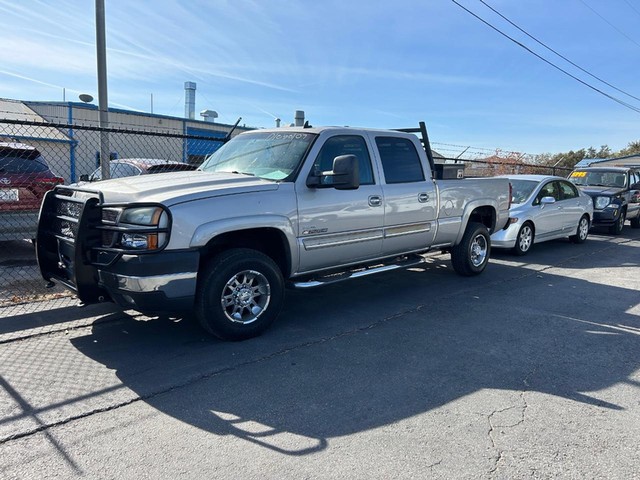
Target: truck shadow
[(357, 356)]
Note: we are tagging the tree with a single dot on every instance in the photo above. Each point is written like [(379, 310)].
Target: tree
[(633, 148)]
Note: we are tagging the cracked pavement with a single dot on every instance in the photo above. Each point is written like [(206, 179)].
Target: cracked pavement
[(529, 370)]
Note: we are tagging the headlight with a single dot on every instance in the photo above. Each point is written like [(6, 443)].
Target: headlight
[(143, 217), (602, 202), (139, 241)]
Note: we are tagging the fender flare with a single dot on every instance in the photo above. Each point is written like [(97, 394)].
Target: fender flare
[(468, 210), (207, 231)]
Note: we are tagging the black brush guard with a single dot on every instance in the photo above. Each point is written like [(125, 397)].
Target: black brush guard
[(73, 240), (65, 238)]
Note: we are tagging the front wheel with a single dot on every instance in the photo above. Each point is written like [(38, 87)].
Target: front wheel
[(582, 232), (471, 255), (239, 295), (616, 228)]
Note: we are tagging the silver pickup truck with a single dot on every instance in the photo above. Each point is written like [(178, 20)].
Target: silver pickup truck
[(298, 207)]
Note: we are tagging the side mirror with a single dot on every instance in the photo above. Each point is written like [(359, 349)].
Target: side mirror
[(547, 200), (84, 177), (346, 172), (344, 176)]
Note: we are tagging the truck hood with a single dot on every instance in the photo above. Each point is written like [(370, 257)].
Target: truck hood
[(595, 191), (177, 187)]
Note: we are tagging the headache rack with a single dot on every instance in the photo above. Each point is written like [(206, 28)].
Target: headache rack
[(440, 171), (78, 232)]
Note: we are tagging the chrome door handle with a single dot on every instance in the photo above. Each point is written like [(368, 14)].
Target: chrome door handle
[(375, 201), (423, 197)]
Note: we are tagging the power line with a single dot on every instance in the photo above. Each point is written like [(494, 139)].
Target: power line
[(557, 53), (611, 97), (632, 7), (610, 24)]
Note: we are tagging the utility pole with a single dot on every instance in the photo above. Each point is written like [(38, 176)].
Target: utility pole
[(103, 104)]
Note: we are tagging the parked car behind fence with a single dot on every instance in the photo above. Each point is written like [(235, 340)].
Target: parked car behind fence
[(128, 167), (25, 177)]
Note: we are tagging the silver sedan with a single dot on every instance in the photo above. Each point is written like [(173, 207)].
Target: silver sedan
[(543, 208)]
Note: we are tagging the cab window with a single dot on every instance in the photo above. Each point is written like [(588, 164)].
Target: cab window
[(345, 145)]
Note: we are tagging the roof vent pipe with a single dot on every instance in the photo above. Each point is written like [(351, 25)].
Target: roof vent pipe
[(277, 123), (299, 118), (209, 115), (190, 100)]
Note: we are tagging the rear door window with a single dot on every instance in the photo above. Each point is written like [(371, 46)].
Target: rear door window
[(567, 190), (400, 160)]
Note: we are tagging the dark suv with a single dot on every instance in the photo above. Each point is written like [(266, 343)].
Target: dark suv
[(615, 192), (24, 179)]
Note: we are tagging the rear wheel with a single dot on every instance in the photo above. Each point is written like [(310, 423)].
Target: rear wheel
[(582, 232), (616, 228), (471, 255), (239, 295), (524, 241), (635, 222)]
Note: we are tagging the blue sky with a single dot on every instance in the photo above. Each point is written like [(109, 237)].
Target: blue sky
[(359, 63)]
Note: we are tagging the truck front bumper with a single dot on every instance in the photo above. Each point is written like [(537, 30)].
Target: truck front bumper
[(161, 282), (77, 246)]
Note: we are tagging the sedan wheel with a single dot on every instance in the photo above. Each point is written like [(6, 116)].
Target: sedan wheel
[(524, 241), (582, 232)]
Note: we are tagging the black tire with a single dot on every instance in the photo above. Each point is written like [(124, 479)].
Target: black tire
[(616, 228), (524, 240), (582, 231), (471, 255), (635, 222), (253, 287)]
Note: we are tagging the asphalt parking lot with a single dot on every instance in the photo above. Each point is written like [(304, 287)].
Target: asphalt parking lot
[(531, 370)]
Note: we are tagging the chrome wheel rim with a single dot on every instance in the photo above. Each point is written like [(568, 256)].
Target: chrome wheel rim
[(245, 297), (479, 250), (583, 229), (525, 237)]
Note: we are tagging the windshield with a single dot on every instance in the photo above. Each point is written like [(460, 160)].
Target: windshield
[(521, 190), (268, 155), (599, 179)]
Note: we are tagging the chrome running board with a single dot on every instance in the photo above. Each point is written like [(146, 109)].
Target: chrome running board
[(357, 273)]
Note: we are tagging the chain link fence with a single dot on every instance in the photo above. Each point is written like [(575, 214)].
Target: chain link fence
[(36, 154)]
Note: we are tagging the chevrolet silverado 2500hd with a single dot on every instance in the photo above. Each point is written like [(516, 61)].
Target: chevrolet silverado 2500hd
[(291, 206)]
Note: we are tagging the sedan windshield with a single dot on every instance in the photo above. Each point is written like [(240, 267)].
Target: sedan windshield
[(268, 155), (521, 190), (599, 179)]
